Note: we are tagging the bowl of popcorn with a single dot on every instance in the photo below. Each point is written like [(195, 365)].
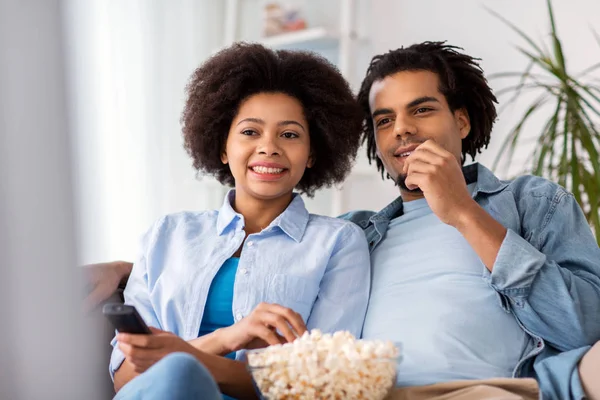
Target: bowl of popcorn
[(325, 366)]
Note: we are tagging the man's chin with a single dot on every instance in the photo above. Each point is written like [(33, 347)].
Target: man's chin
[(401, 183)]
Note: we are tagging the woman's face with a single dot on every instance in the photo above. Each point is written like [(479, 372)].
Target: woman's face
[(268, 146)]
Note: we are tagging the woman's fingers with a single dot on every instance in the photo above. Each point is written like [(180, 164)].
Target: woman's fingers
[(287, 321), (292, 317), (267, 335), (280, 323)]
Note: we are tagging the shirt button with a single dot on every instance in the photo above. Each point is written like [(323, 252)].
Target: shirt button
[(250, 244), (238, 316), (244, 271)]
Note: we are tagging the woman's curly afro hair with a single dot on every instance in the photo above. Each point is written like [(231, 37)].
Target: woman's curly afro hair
[(218, 87)]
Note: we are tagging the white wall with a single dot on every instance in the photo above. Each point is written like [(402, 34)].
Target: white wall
[(129, 62), (467, 23)]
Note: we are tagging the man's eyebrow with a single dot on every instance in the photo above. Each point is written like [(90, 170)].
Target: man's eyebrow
[(414, 103), (382, 111), (421, 100)]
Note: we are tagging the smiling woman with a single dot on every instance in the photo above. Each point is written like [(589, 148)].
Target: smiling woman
[(260, 270), (324, 108), (268, 146)]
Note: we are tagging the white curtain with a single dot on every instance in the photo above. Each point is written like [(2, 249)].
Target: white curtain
[(129, 61)]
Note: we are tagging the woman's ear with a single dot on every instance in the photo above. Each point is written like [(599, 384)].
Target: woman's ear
[(224, 158), (310, 162)]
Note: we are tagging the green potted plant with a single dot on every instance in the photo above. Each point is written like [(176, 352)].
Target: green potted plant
[(567, 148)]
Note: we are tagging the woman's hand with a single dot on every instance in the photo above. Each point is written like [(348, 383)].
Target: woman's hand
[(266, 325), (143, 351)]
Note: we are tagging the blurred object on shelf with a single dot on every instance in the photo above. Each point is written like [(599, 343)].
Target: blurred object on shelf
[(281, 18)]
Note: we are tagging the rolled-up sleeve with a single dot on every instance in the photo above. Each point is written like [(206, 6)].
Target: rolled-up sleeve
[(551, 281), (344, 291)]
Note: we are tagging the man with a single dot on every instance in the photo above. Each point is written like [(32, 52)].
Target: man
[(477, 277), (488, 277)]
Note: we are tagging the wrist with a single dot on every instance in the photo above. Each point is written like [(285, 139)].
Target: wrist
[(221, 341), (467, 216)]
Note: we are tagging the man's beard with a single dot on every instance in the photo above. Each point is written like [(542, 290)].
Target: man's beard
[(401, 183)]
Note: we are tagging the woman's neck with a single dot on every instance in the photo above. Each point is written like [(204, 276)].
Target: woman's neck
[(258, 213)]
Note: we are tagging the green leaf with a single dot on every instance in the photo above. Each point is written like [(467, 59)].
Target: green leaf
[(515, 28), (568, 146), (588, 71), (558, 52), (575, 173), (546, 141), (511, 140)]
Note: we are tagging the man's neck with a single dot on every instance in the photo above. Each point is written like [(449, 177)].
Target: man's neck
[(411, 195)]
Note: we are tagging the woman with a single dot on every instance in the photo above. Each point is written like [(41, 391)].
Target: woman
[(261, 270)]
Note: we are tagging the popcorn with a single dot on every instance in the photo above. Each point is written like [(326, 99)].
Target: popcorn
[(324, 366)]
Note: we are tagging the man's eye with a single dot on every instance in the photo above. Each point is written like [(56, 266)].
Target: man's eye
[(289, 135), (383, 121), (422, 110)]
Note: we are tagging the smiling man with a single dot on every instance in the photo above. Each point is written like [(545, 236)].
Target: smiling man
[(477, 277)]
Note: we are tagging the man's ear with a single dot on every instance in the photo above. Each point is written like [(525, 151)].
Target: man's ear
[(464, 122)]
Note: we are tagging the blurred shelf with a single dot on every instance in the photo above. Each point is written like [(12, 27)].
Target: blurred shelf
[(312, 38)]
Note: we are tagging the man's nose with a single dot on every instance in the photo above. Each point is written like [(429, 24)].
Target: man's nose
[(404, 127)]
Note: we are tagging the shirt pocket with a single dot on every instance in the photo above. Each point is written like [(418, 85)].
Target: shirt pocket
[(293, 292)]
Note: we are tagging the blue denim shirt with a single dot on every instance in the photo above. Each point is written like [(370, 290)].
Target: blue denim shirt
[(547, 272), (318, 266)]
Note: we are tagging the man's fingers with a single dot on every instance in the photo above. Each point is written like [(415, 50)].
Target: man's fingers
[(418, 166), (414, 180), (433, 147)]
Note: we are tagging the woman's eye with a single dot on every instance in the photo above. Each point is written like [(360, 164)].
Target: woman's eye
[(289, 135), (383, 121), (248, 132)]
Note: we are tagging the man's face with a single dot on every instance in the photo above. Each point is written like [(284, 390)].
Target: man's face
[(407, 109)]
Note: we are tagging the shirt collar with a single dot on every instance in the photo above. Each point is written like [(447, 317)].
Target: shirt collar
[(227, 215), (292, 221), (485, 182)]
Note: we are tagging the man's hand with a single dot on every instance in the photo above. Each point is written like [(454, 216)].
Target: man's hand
[(259, 329), (439, 175), (143, 351), (104, 279)]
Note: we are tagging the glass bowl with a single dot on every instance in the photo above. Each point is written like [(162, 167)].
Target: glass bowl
[(343, 378)]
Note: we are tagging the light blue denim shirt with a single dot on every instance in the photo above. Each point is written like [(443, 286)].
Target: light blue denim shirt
[(547, 272), (318, 266)]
